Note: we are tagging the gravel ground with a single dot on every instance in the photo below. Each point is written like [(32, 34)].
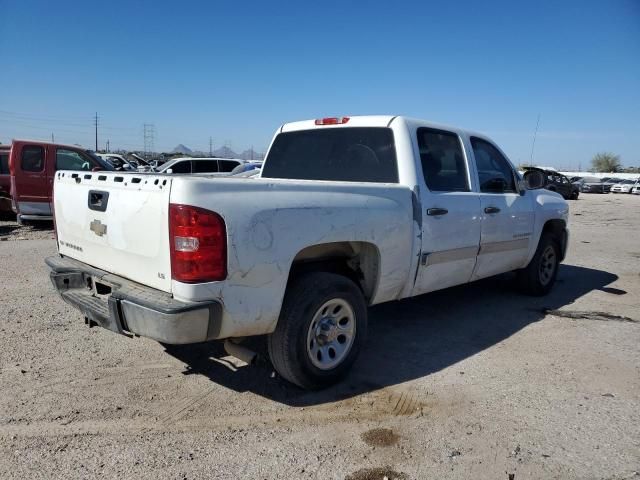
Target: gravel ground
[(471, 382)]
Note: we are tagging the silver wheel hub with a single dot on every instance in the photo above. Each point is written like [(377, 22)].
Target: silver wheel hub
[(331, 334), (548, 265)]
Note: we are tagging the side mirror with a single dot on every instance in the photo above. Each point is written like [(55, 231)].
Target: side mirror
[(169, 170), (534, 179), (96, 169)]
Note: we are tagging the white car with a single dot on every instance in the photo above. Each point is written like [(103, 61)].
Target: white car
[(636, 190), (625, 186), (346, 213), (187, 165)]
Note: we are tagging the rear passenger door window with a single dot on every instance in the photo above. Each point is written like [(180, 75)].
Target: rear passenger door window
[(442, 159), (205, 166), (32, 158), (494, 171), (227, 165)]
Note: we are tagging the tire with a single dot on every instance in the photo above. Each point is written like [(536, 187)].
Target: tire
[(539, 276), (574, 196), (301, 353)]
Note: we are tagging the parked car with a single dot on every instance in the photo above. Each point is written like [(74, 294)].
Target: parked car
[(32, 165), (118, 162), (200, 165), (625, 186), (347, 212), (594, 185), (557, 182), (610, 182), (5, 179), (636, 190)]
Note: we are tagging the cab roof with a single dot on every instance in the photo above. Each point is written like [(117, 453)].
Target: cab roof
[(374, 121)]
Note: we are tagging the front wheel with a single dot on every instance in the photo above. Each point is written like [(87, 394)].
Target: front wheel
[(321, 329), (539, 276)]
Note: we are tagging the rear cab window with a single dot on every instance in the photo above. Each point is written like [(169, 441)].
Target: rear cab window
[(352, 154), (32, 158)]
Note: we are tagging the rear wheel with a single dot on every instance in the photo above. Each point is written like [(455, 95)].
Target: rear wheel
[(322, 326), (540, 275)]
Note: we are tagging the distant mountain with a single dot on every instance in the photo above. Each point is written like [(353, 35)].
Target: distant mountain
[(182, 149), (225, 152), (222, 152), (250, 154)]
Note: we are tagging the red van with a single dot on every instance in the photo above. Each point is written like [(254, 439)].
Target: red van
[(32, 165)]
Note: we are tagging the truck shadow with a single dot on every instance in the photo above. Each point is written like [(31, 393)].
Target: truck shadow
[(408, 339)]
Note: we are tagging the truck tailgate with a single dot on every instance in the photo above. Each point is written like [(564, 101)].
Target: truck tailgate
[(116, 222)]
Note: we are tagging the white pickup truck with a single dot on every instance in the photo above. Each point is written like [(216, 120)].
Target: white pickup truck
[(346, 213)]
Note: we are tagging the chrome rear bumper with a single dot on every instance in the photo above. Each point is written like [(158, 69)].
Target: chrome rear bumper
[(126, 307)]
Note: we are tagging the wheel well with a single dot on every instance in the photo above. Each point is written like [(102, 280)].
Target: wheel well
[(358, 261), (557, 228)]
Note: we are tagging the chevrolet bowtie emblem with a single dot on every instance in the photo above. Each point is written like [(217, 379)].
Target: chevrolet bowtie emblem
[(98, 228)]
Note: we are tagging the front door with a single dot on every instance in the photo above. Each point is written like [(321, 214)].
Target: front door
[(507, 216), (450, 213)]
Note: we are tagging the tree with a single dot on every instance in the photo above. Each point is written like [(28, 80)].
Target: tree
[(605, 162)]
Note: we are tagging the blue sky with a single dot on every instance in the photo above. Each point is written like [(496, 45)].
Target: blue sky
[(235, 71)]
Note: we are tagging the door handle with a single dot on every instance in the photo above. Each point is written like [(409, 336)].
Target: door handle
[(437, 211), (491, 210)]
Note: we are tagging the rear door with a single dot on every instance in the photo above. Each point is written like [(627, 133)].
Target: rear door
[(31, 186), (451, 212), (507, 216)]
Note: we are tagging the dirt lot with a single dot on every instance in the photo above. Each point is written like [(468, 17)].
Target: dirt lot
[(473, 382)]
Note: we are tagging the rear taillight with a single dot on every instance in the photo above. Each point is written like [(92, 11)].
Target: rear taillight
[(198, 244), (332, 121)]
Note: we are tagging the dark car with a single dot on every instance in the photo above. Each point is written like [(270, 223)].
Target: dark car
[(557, 182), (594, 185)]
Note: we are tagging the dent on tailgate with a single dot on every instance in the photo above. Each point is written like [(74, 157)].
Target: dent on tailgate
[(116, 222)]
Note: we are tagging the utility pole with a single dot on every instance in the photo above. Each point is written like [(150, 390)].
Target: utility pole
[(95, 122), (533, 144), (149, 133), (210, 146), (251, 152), (107, 145), (52, 139)]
